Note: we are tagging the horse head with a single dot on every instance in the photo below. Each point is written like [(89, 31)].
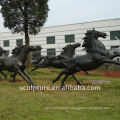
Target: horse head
[(91, 36), (25, 50), (70, 49), (16, 51), (98, 34), (34, 48), (74, 46)]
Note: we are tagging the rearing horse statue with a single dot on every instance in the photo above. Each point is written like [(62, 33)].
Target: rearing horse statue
[(96, 55)]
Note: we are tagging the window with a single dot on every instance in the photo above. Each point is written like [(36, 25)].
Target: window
[(115, 35), (6, 43), (19, 42), (51, 52), (112, 47), (69, 38), (51, 40)]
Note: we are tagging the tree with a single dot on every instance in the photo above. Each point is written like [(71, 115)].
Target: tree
[(27, 16)]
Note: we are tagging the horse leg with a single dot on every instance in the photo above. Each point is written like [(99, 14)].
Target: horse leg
[(3, 74), (23, 76), (40, 66), (58, 77), (35, 68), (26, 74), (0, 78), (64, 79), (14, 76), (78, 82)]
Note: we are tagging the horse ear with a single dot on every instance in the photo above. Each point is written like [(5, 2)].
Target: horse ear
[(93, 29)]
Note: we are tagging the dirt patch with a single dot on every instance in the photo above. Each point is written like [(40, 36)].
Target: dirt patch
[(81, 73), (53, 71), (112, 74), (105, 74)]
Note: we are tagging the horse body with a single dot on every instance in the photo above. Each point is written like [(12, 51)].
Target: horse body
[(87, 62), (7, 63)]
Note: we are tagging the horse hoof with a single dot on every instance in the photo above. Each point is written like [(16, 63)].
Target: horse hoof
[(80, 84), (63, 87), (35, 88), (32, 70), (53, 81)]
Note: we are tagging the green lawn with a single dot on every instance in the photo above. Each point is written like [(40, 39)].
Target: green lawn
[(29, 105)]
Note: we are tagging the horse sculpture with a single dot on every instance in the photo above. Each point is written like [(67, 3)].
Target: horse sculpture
[(68, 52), (16, 64), (96, 55), (58, 61)]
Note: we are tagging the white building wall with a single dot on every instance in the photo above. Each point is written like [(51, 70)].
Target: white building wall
[(59, 32)]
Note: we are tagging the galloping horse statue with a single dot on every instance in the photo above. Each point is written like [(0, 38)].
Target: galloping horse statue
[(16, 64), (96, 55), (58, 61), (49, 61)]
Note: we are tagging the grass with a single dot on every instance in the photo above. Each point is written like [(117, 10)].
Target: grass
[(29, 105)]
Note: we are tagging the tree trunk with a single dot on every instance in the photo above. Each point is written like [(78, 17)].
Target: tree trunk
[(27, 40), (28, 56)]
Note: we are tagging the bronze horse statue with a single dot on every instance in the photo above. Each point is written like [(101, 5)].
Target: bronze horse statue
[(96, 55), (17, 64), (58, 61)]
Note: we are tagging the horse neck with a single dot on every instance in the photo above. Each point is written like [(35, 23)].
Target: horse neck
[(23, 55), (95, 43), (91, 43)]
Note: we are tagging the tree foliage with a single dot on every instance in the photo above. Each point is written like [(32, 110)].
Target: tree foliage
[(20, 15), (26, 16)]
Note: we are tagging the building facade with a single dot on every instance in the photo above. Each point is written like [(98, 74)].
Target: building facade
[(53, 39)]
